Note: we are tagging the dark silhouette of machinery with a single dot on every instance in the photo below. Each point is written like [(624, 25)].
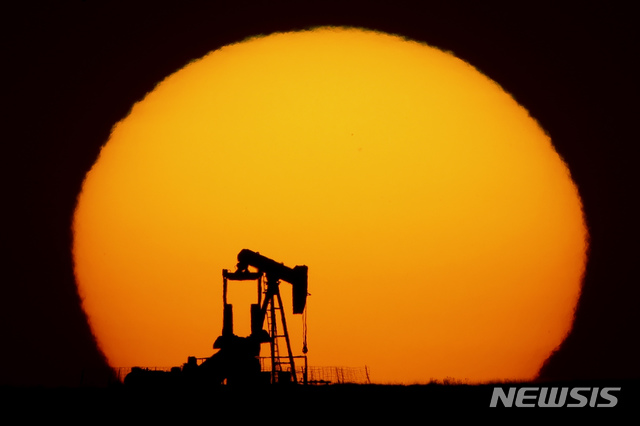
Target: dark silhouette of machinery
[(237, 361)]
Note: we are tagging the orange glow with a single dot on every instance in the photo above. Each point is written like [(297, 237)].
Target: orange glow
[(443, 234)]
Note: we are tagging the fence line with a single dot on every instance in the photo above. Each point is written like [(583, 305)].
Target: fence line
[(339, 375), (315, 375)]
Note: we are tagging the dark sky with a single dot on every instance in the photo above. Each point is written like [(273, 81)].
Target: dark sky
[(71, 70)]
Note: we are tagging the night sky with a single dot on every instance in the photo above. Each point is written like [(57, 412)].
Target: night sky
[(72, 70)]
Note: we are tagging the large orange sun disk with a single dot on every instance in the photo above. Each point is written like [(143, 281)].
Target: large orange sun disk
[(443, 234)]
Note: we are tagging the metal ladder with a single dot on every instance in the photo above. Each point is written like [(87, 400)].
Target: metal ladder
[(277, 362)]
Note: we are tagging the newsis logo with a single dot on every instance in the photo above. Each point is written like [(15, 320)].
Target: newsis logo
[(554, 397)]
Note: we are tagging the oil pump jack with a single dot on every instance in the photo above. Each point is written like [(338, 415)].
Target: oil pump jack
[(237, 357), (237, 360)]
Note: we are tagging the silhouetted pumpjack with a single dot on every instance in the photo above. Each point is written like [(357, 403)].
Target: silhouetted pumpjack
[(237, 360)]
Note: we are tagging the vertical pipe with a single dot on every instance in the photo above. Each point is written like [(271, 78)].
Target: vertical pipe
[(224, 287), (272, 331), (305, 376)]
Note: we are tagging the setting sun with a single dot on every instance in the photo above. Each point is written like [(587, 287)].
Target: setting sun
[(443, 233)]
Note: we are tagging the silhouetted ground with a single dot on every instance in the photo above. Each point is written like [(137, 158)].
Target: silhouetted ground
[(297, 404)]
